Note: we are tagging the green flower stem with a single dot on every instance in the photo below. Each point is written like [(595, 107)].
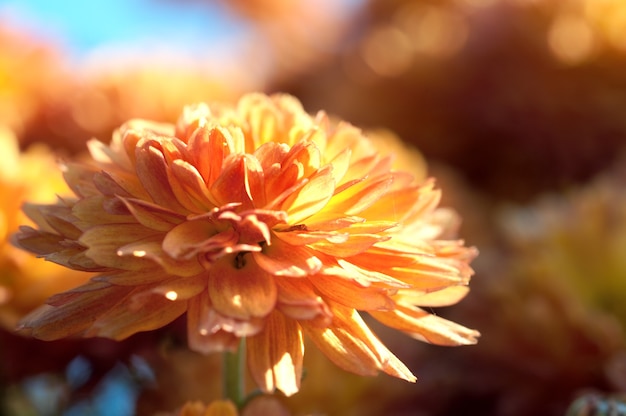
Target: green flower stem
[(233, 374)]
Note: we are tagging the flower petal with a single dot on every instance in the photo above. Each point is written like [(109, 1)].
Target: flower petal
[(281, 259), (74, 316), (275, 355), (426, 327), (140, 311), (240, 289), (351, 345)]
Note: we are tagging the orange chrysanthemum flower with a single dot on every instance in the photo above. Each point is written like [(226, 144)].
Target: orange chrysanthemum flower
[(258, 221)]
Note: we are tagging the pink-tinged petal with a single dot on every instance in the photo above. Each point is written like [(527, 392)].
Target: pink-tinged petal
[(351, 345), (77, 314), (140, 312), (152, 172), (280, 259), (188, 239), (151, 215), (426, 327), (298, 300), (104, 241), (354, 245), (444, 297), (150, 249), (351, 294), (238, 288), (311, 198), (275, 355)]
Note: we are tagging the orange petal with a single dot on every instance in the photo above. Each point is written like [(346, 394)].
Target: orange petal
[(76, 315), (311, 198), (281, 259), (239, 288), (103, 242), (189, 187), (444, 297), (298, 300), (151, 215), (201, 336), (133, 277), (355, 244), (208, 148), (140, 312), (152, 172), (188, 239), (351, 345), (350, 293), (275, 355), (150, 249), (426, 327)]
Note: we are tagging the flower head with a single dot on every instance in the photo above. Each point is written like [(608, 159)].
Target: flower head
[(257, 221)]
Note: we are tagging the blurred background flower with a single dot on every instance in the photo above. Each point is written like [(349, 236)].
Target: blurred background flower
[(517, 106)]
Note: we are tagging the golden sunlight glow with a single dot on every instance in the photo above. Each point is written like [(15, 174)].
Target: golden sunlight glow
[(609, 16), (5, 294), (571, 39), (387, 51)]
